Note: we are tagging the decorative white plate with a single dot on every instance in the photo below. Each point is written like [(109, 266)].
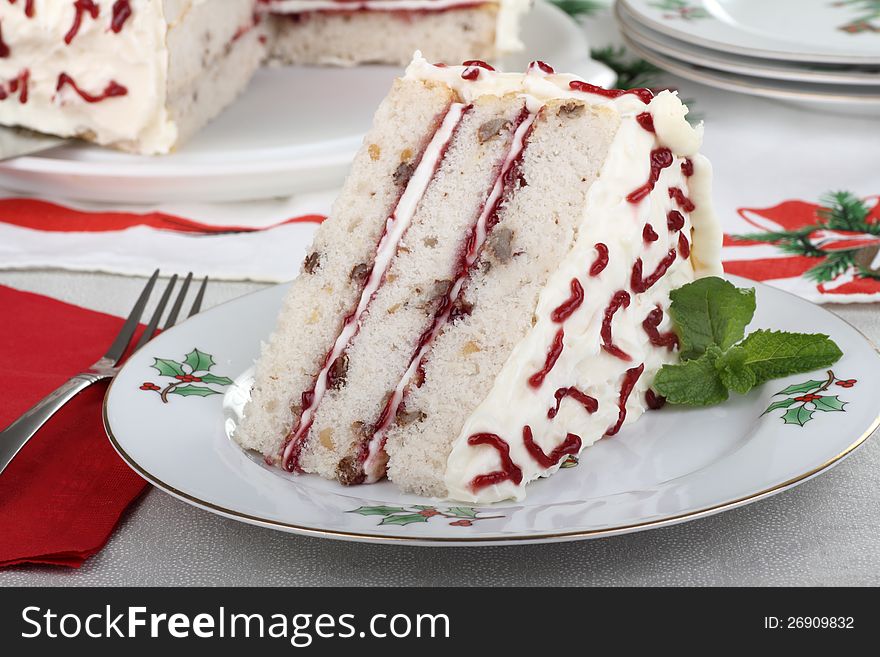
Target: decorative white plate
[(753, 66), (672, 465), (820, 31), (837, 98), (295, 129)]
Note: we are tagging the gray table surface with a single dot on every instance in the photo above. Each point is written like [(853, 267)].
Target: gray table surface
[(825, 532)]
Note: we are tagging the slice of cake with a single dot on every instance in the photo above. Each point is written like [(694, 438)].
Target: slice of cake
[(489, 294), (141, 76), (348, 32)]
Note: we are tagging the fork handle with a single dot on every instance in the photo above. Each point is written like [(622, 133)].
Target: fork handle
[(16, 435)]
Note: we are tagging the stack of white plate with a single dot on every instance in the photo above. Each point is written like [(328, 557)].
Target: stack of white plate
[(817, 52)]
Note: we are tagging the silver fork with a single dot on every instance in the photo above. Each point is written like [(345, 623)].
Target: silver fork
[(16, 435)]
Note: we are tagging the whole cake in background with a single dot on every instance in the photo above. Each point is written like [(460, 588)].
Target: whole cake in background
[(144, 75), (490, 292), (140, 75), (347, 32)]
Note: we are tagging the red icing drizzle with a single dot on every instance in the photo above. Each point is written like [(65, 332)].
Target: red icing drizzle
[(684, 247), (28, 7), (620, 300), (646, 121), (629, 382), (674, 220), (121, 13), (571, 445), (509, 469), (552, 356), (640, 284), (660, 159), (601, 260), (4, 49), (687, 168), (472, 70), (683, 201), (112, 89), (81, 7), (644, 95), (542, 66), (648, 234), (589, 403), (652, 321), (653, 400), (567, 307), (17, 85)]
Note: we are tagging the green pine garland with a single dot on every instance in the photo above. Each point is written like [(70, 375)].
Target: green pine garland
[(580, 7), (841, 211)]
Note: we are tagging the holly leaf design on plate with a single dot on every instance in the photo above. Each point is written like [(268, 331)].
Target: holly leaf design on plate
[(406, 519), (800, 416), (191, 390), (378, 510), (797, 388), (783, 403), (218, 380), (167, 367), (462, 512), (199, 361), (829, 403)]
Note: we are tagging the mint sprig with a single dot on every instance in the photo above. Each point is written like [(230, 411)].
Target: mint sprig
[(710, 316)]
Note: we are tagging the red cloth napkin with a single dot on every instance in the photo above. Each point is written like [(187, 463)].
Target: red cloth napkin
[(63, 494)]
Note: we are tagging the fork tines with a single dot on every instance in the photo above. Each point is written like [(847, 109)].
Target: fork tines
[(120, 344)]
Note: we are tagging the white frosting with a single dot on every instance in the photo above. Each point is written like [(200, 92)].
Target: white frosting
[(374, 466), (609, 218), (395, 227), (510, 12), (158, 56), (136, 58)]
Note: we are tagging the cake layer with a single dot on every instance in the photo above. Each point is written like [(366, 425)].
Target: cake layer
[(199, 36), (359, 37), (117, 72), (342, 256), (192, 105), (537, 225), (416, 284)]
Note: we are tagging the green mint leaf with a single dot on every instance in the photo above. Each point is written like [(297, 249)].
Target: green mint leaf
[(774, 354), (694, 382), (199, 361), (167, 367), (734, 372), (710, 311), (828, 403), (190, 390), (799, 415)]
